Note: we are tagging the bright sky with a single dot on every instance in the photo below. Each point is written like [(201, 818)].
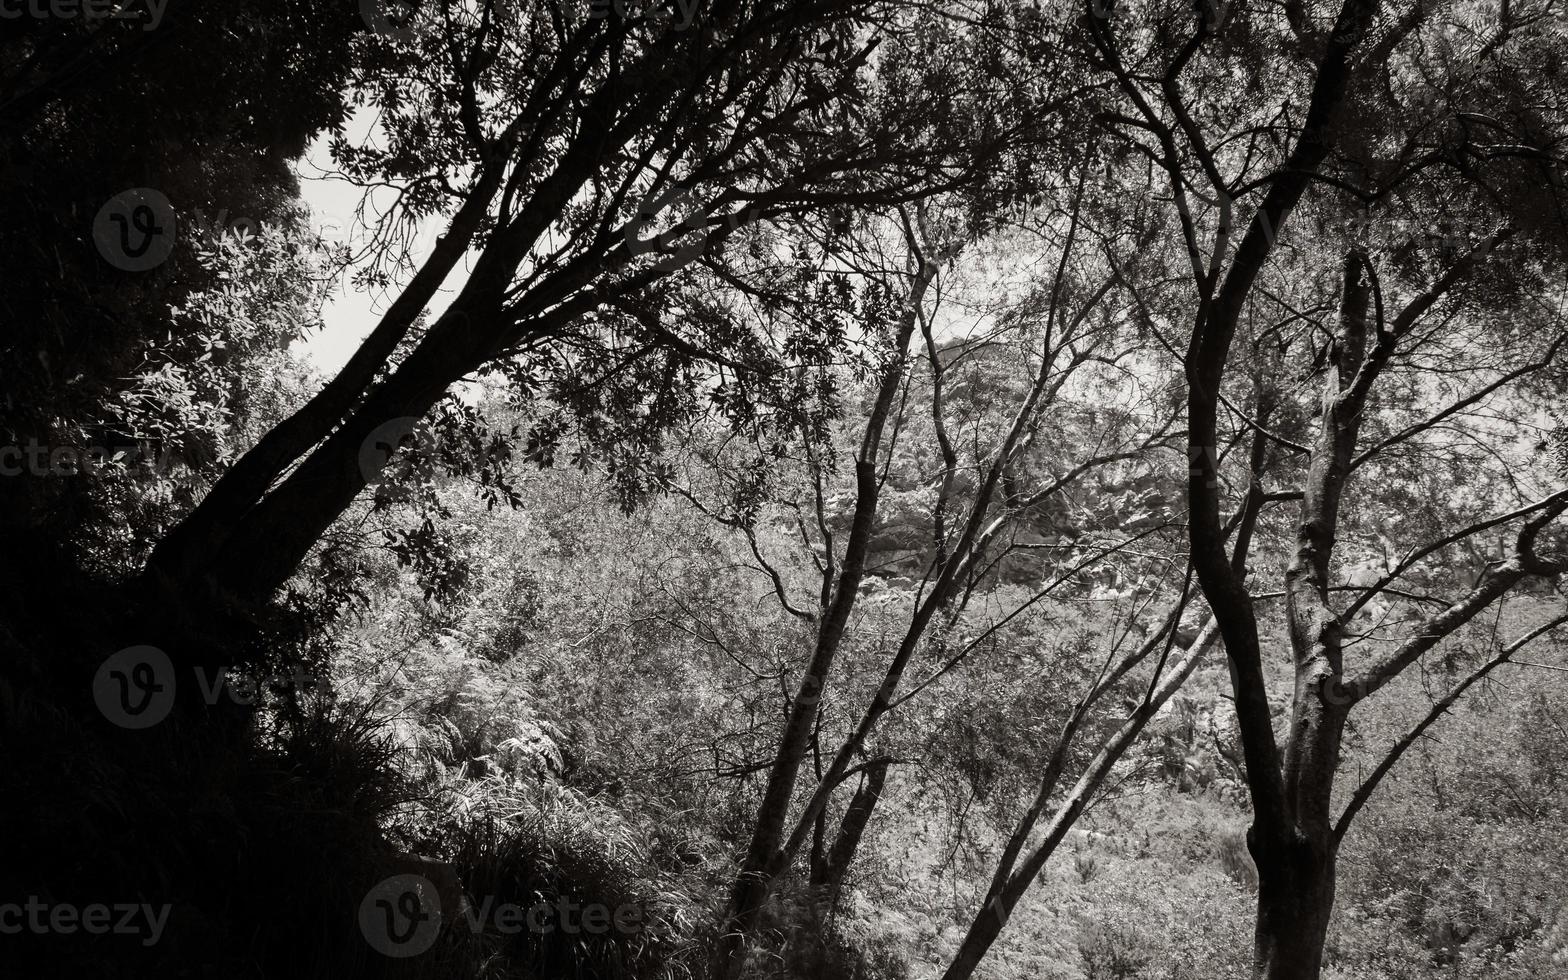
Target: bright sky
[(351, 314)]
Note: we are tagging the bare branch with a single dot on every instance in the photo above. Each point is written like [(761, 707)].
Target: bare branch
[(1496, 581), (1369, 786)]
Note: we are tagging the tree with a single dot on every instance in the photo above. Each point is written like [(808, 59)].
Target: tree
[(743, 253), (204, 103), (556, 143), (980, 438), (1349, 82)]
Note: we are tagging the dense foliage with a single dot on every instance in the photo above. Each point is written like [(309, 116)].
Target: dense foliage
[(835, 488)]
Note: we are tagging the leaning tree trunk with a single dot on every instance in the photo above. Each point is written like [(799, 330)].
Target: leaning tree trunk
[(766, 855), (1012, 882), (827, 875)]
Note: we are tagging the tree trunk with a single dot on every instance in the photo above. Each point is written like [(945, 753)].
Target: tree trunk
[(1295, 900), (178, 555), (828, 875), (766, 856), (1295, 858), (1006, 892)]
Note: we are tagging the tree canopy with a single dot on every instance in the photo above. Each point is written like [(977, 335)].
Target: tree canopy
[(837, 487)]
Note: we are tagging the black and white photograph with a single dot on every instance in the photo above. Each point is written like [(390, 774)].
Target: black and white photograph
[(784, 489)]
